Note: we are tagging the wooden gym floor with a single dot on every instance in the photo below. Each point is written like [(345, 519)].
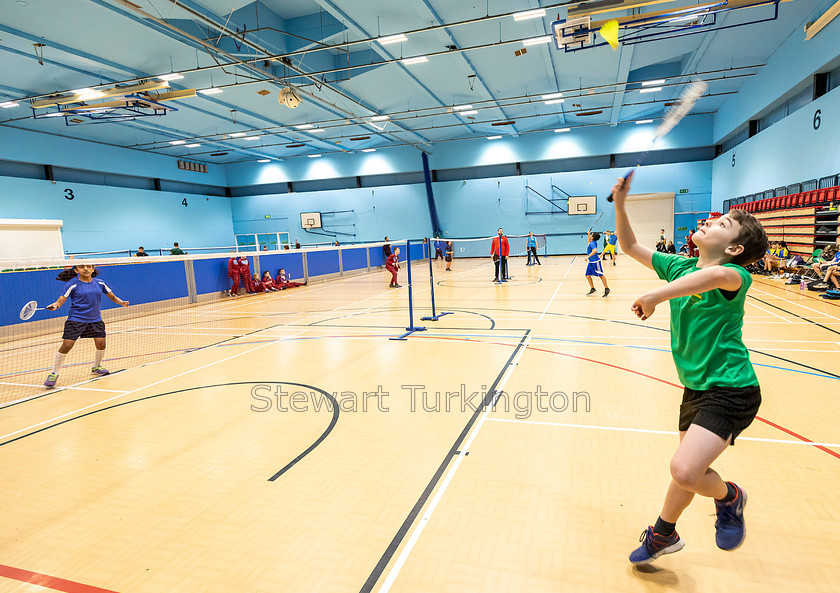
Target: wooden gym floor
[(182, 475)]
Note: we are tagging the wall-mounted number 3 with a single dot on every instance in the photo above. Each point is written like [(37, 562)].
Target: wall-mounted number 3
[(817, 119), (68, 194)]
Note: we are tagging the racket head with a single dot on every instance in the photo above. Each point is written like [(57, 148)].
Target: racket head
[(680, 109), (28, 310)]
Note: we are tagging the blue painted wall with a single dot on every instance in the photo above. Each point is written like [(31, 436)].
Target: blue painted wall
[(789, 151), (109, 218)]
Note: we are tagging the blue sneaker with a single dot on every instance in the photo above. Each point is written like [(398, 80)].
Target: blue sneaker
[(655, 545), (100, 371), (730, 530)]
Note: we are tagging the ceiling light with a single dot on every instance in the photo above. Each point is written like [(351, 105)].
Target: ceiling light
[(317, 131), (192, 145), (251, 138), (83, 91), (644, 121), (304, 126), (91, 95), (369, 150), (264, 161), (416, 60), (54, 114), (493, 137), (177, 142), (314, 156), (562, 129), (554, 101), (171, 76), (211, 91), (8, 104), (529, 14), (536, 40), (380, 118), (462, 107), (552, 96), (237, 134), (399, 37), (653, 82), (470, 112), (651, 90)]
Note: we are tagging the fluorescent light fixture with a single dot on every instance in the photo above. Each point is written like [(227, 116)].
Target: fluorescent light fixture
[(644, 121), (653, 82), (251, 138), (83, 91), (562, 129), (177, 142), (399, 37), (55, 114), (552, 96), (536, 40), (493, 137), (8, 104), (317, 131), (462, 107), (529, 14), (304, 126), (91, 95), (470, 112), (211, 91), (555, 101), (237, 134), (314, 156), (171, 76), (416, 60), (369, 150), (380, 118), (264, 161), (193, 145), (654, 89)]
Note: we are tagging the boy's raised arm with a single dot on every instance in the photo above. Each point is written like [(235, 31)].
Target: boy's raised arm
[(626, 237)]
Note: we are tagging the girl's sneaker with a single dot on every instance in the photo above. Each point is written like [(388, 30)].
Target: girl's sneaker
[(100, 371), (51, 379)]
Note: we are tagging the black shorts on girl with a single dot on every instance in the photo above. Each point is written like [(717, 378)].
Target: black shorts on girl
[(73, 330), (725, 411)]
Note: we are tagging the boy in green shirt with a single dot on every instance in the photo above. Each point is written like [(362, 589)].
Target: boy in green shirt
[(722, 395)]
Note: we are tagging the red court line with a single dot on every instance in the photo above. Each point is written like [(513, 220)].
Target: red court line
[(44, 580)]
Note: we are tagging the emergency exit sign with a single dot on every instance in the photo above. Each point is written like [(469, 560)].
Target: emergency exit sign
[(684, 191), (269, 215)]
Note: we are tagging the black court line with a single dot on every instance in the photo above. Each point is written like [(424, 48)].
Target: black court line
[(794, 314), (148, 397), (377, 571)]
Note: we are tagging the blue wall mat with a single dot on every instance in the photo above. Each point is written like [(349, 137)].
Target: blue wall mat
[(291, 262), (211, 275), (354, 259), (322, 262), (377, 257), (137, 283)]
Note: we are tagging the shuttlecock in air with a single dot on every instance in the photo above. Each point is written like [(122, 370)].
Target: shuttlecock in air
[(609, 31)]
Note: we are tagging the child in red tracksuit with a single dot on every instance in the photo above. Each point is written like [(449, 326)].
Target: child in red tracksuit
[(245, 273), (258, 286), (233, 272), (268, 282), (392, 265), (283, 281)]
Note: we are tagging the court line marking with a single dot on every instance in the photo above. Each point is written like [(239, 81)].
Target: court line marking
[(49, 582), (767, 311), (557, 289), (770, 294), (424, 520), (653, 431)]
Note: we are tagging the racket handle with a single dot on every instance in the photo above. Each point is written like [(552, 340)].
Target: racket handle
[(626, 175)]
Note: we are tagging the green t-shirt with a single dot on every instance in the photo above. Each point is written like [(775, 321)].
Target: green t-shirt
[(706, 340), (176, 251)]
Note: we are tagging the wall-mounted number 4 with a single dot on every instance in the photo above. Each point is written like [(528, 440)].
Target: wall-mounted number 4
[(817, 119), (184, 202), (68, 194)]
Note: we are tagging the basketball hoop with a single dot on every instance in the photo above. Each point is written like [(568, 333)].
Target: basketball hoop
[(572, 33)]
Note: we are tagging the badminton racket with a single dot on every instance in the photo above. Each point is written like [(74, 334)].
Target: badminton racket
[(29, 309), (677, 111)]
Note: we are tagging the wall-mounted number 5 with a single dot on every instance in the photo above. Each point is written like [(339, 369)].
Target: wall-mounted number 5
[(733, 159), (68, 194), (184, 202), (817, 119)]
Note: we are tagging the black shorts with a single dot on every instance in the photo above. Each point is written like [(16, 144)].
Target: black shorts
[(73, 330), (726, 411), (448, 258)]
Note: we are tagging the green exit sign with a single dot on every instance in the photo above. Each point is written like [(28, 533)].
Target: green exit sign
[(683, 191), (268, 215)]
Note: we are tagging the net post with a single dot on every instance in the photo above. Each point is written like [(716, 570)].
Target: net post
[(411, 327), (434, 316)]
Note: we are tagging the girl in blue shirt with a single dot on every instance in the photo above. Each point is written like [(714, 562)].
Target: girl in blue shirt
[(85, 319)]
